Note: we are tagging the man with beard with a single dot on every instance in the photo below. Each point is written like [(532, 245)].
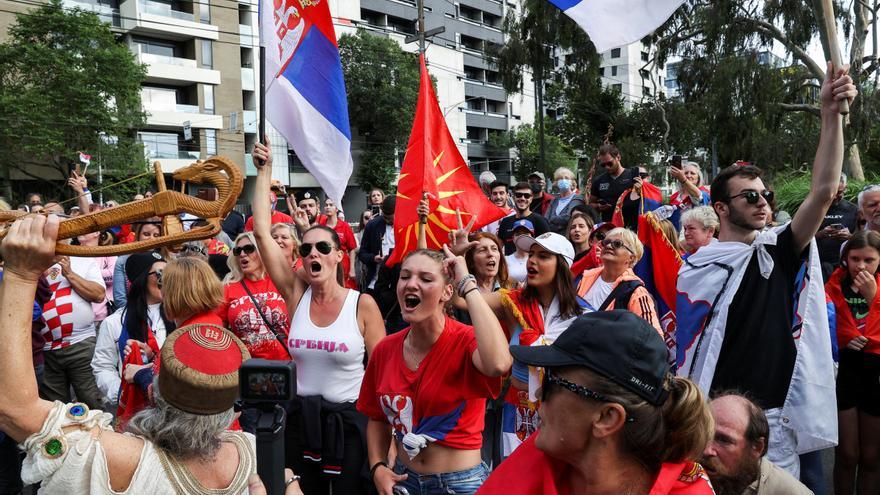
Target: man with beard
[(607, 188), (734, 459), (522, 199), (869, 207), (751, 312)]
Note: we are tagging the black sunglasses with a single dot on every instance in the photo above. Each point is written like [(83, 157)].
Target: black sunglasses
[(644, 175), (752, 196), (600, 236), (158, 275), (615, 245), (195, 249), (608, 164), (551, 379), (323, 247), (246, 249), (522, 195)]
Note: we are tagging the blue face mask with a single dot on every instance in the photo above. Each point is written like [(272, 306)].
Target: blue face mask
[(564, 185)]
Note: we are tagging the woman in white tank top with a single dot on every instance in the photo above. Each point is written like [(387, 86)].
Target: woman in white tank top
[(332, 330)]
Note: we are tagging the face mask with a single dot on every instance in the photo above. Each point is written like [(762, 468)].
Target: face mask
[(564, 185), (536, 188)]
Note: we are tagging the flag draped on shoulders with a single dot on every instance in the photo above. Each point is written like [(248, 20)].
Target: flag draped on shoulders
[(658, 270), (305, 91), (707, 283), (434, 165), (613, 23), (650, 200)]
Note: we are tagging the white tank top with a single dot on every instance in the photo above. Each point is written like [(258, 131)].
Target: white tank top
[(329, 360)]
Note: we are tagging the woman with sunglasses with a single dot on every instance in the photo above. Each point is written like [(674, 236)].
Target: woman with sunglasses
[(142, 321), (560, 209), (347, 241), (146, 230), (691, 192), (252, 308), (613, 419), (614, 285), (332, 332)]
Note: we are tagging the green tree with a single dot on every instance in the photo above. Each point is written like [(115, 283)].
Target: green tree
[(382, 82), (524, 141), (64, 81)]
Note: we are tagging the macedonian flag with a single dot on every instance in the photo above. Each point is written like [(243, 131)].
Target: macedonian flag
[(433, 165)]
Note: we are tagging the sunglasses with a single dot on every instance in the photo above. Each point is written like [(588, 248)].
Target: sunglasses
[(522, 195), (551, 381), (323, 247), (600, 236), (158, 275), (644, 175), (246, 249), (608, 164), (196, 249), (752, 196), (615, 245)]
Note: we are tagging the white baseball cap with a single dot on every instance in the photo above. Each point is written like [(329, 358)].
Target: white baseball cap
[(550, 241)]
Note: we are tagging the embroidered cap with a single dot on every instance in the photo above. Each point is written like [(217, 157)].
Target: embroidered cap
[(304, 195), (616, 344), (198, 372), (550, 241)]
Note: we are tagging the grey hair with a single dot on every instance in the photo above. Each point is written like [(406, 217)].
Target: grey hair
[(699, 174), (235, 274), (704, 215), (199, 255), (867, 189), (180, 434), (843, 178)]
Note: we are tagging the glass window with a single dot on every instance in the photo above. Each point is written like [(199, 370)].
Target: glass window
[(204, 12), (210, 142), (207, 54), (209, 97), (613, 70), (159, 99), (156, 48), (160, 144), (615, 53)]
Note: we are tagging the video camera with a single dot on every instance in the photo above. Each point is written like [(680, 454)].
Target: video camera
[(267, 385)]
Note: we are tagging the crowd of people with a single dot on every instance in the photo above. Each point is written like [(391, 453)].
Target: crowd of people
[(525, 357)]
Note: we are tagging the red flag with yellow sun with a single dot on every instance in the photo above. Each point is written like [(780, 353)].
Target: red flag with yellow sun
[(434, 165)]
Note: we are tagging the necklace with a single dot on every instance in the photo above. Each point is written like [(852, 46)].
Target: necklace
[(412, 354)]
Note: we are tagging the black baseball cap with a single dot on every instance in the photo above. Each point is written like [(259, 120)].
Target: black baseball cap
[(616, 344)]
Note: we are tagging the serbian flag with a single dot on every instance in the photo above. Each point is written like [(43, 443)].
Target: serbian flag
[(85, 158), (613, 23), (434, 165), (305, 94), (658, 269), (651, 199)]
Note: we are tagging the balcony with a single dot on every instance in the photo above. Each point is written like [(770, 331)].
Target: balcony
[(248, 83), (156, 18), (107, 14), (174, 120), (250, 122), (171, 160), (176, 71), (246, 35)]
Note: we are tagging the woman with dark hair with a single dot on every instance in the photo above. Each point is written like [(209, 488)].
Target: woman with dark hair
[(426, 386), (143, 231), (142, 321), (852, 289), (332, 332)]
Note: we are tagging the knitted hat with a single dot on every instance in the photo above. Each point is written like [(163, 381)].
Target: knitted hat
[(139, 263), (198, 371)]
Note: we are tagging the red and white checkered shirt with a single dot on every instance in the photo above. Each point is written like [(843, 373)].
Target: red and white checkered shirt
[(69, 318)]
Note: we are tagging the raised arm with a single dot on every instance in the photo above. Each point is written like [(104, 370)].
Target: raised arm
[(838, 86), (273, 258), (28, 250)]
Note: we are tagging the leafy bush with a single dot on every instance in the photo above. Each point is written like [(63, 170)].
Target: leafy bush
[(791, 189)]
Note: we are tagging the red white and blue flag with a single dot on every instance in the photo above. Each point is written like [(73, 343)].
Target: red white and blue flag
[(305, 91), (651, 199)]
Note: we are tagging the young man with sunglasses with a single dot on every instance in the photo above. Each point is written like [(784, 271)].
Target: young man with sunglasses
[(522, 199), (608, 187), (751, 312)]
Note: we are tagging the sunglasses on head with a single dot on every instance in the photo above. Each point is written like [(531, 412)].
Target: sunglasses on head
[(752, 196), (194, 249), (522, 195), (246, 249), (600, 236), (615, 245), (323, 247)]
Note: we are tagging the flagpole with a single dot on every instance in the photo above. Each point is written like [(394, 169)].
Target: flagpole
[(834, 45), (262, 55)]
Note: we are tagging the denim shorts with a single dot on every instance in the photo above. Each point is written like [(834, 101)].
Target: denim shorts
[(465, 482)]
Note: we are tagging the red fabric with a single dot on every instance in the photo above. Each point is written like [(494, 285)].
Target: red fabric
[(587, 262), (529, 471), (132, 398), (435, 393), (124, 234), (277, 217), (677, 198), (664, 260), (434, 165), (531, 312), (242, 318), (347, 242), (546, 200), (650, 194), (847, 329), (207, 350)]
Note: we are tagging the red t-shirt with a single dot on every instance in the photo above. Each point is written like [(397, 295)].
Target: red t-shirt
[(347, 242), (242, 318), (445, 398), (277, 217)]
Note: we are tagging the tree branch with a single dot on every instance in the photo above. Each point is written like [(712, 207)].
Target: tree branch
[(799, 107), (774, 32)]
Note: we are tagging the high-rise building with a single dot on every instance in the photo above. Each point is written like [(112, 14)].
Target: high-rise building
[(629, 70)]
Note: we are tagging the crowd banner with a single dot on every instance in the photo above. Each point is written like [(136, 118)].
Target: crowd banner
[(434, 167), (305, 97), (615, 23)]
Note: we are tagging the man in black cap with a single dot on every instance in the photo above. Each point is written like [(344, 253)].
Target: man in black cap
[(541, 199), (613, 419), (308, 202)]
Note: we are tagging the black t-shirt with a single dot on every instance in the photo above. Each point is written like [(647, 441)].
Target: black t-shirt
[(609, 189), (844, 213), (758, 353), (857, 303), (505, 229)]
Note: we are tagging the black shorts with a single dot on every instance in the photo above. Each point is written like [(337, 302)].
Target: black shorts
[(858, 382)]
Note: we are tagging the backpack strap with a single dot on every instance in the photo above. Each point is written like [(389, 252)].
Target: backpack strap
[(621, 295)]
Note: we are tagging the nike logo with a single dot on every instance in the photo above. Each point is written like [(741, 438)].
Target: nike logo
[(859, 316)]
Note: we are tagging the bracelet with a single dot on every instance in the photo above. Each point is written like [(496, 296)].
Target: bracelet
[(375, 467), (468, 292), (463, 281), (292, 480)]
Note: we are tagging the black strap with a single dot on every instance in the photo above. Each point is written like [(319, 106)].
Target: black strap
[(621, 295), (278, 336)]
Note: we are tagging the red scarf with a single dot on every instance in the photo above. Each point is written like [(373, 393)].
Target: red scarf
[(132, 399)]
